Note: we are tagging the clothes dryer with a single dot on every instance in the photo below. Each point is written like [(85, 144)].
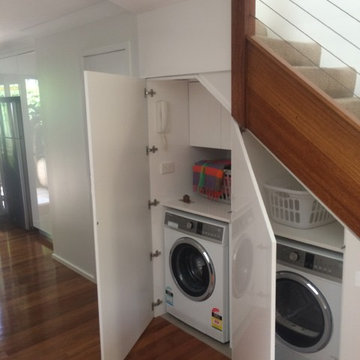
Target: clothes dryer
[(197, 272), (308, 302)]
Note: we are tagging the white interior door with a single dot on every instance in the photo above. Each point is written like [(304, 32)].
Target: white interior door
[(120, 191), (253, 263)]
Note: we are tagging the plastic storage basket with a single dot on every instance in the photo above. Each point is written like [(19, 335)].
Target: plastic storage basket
[(290, 204)]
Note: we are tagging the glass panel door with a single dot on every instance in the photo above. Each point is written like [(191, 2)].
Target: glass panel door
[(14, 180)]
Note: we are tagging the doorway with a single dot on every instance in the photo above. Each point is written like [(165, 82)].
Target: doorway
[(14, 186)]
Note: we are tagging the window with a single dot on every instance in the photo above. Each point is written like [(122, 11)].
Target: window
[(14, 90)]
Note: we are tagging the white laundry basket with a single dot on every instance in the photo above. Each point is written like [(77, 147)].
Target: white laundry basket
[(290, 204)]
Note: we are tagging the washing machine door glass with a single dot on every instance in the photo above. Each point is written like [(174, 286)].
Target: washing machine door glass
[(303, 316), (192, 269)]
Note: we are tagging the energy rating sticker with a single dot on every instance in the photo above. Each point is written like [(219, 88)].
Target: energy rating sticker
[(216, 319), (169, 296)]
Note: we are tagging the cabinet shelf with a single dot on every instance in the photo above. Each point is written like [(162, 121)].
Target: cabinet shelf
[(330, 237), (202, 206)]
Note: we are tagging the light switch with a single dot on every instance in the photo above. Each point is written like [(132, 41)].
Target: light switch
[(167, 167)]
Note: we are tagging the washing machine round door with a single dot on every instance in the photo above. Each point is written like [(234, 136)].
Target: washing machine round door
[(303, 316), (192, 269)]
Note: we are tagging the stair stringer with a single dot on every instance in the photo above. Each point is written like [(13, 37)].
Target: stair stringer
[(306, 131)]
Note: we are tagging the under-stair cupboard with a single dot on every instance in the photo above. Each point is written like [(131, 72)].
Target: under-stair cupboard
[(128, 281), (132, 231), (308, 118), (151, 169)]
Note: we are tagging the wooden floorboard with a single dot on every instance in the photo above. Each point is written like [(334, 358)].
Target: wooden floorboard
[(49, 312)]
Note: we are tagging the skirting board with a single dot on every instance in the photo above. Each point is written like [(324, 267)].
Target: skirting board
[(74, 268)]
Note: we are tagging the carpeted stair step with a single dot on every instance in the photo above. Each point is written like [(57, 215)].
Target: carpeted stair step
[(260, 28), (295, 53), (351, 104), (336, 82)]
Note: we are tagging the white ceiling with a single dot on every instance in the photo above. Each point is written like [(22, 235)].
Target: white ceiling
[(20, 19)]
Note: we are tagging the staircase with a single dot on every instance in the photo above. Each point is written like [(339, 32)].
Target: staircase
[(304, 57), (307, 115)]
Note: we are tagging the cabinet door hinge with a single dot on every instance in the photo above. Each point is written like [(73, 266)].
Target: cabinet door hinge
[(155, 254), (149, 92), (153, 203), (155, 304), (152, 149)]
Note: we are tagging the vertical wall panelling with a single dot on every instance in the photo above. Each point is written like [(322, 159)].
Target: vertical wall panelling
[(114, 59), (60, 68), (185, 38)]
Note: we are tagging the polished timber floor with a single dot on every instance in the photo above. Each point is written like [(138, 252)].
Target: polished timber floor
[(49, 312), (46, 310)]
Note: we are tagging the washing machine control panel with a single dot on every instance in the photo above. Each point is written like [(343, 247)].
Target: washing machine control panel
[(321, 265), (191, 226)]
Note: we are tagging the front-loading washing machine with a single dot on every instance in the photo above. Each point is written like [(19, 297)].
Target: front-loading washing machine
[(197, 272), (308, 302)]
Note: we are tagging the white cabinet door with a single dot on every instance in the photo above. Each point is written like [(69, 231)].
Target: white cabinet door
[(120, 192), (253, 263), (350, 314)]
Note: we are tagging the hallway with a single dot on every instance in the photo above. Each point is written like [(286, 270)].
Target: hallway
[(46, 310)]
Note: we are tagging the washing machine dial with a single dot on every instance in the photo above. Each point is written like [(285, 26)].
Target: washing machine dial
[(294, 256), (189, 225)]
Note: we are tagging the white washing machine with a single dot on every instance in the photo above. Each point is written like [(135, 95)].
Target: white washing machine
[(197, 272), (308, 302)]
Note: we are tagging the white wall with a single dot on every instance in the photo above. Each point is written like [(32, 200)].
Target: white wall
[(59, 59), (193, 36), (19, 64)]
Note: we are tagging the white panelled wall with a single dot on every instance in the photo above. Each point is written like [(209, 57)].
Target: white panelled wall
[(59, 58), (185, 38), (60, 69)]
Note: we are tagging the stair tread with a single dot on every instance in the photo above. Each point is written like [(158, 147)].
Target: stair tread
[(294, 52), (351, 104), (260, 28), (336, 82), (349, 101)]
